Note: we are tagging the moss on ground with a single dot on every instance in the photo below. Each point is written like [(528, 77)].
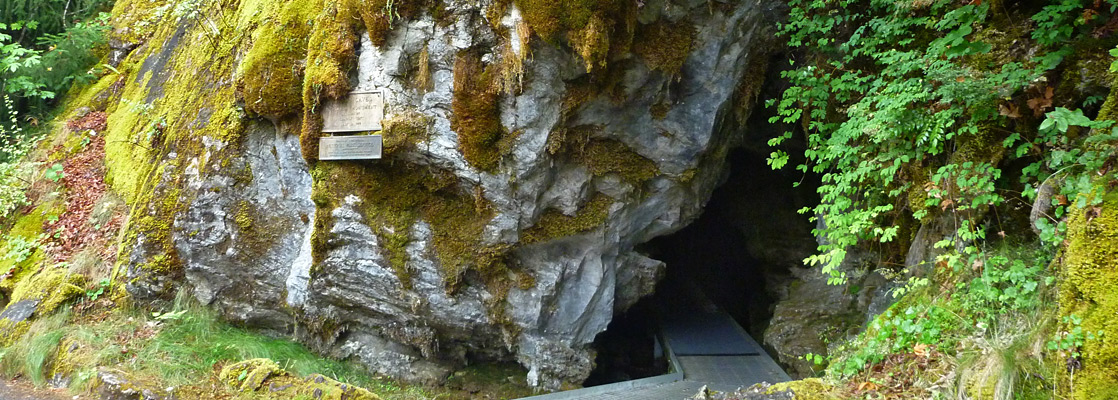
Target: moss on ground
[(30, 225), (806, 389), (10, 332), (52, 286), (267, 380)]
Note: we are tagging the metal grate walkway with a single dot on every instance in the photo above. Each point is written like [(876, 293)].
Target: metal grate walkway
[(705, 347)]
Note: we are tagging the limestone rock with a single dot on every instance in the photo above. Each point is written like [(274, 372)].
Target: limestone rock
[(585, 171), (19, 311)]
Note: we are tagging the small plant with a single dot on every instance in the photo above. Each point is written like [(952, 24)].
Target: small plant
[(97, 291), (1069, 341), (54, 173)]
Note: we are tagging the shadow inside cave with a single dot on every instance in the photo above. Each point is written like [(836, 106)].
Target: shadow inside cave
[(738, 253)]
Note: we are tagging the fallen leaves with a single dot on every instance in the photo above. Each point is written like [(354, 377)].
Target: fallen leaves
[(1042, 103), (83, 178), (920, 350), (1093, 212), (96, 121), (1009, 110)]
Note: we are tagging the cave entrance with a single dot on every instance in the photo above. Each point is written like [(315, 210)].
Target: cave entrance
[(738, 254)]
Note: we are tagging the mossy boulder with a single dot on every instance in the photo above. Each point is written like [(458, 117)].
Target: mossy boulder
[(52, 286), (268, 380)]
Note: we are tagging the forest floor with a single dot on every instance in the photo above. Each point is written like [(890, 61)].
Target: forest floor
[(22, 390)]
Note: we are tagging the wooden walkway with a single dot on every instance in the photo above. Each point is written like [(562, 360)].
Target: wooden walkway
[(705, 347)]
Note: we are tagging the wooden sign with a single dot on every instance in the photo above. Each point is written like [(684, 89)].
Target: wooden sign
[(357, 112), (363, 147)]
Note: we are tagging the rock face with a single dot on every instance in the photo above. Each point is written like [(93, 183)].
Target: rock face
[(430, 258)]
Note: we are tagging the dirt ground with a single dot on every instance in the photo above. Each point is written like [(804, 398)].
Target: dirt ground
[(20, 390)]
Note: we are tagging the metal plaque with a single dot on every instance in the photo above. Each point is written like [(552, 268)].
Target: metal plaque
[(357, 112), (364, 147)]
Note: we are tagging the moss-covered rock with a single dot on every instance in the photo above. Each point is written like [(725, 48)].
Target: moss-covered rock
[(52, 286), (270, 78), (665, 46), (594, 28), (477, 116), (554, 224), (1088, 278), (265, 378), (393, 197)]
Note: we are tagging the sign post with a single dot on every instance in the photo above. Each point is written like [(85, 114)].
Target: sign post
[(357, 112), (363, 147)]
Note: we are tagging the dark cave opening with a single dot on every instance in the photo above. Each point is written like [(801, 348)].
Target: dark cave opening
[(739, 253)]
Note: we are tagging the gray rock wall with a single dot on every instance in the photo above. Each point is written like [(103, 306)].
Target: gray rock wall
[(245, 237)]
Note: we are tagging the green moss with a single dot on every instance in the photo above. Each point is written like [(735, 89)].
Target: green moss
[(381, 16), (178, 110), (608, 156), (269, 381), (30, 226), (52, 286), (19, 269), (806, 389), (331, 53), (134, 21), (665, 46), (404, 131), (554, 224), (243, 215), (270, 78), (596, 29), (10, 331), (100, 95), (984, 147), (1089, 275), (476, 114), (394, 196)]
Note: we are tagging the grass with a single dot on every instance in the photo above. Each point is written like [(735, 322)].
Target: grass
[(183, 347), (29, 357), (186, 346)]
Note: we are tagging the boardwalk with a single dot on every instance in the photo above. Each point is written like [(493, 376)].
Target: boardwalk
[(706, 347)]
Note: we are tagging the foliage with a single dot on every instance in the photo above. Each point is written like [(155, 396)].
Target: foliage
[(15, 142), (896, 89), (51, 16), (54, 173), (897, 331), (97, 291), (1072, 338), (55, 61), (1076, 159), (883, 101)]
